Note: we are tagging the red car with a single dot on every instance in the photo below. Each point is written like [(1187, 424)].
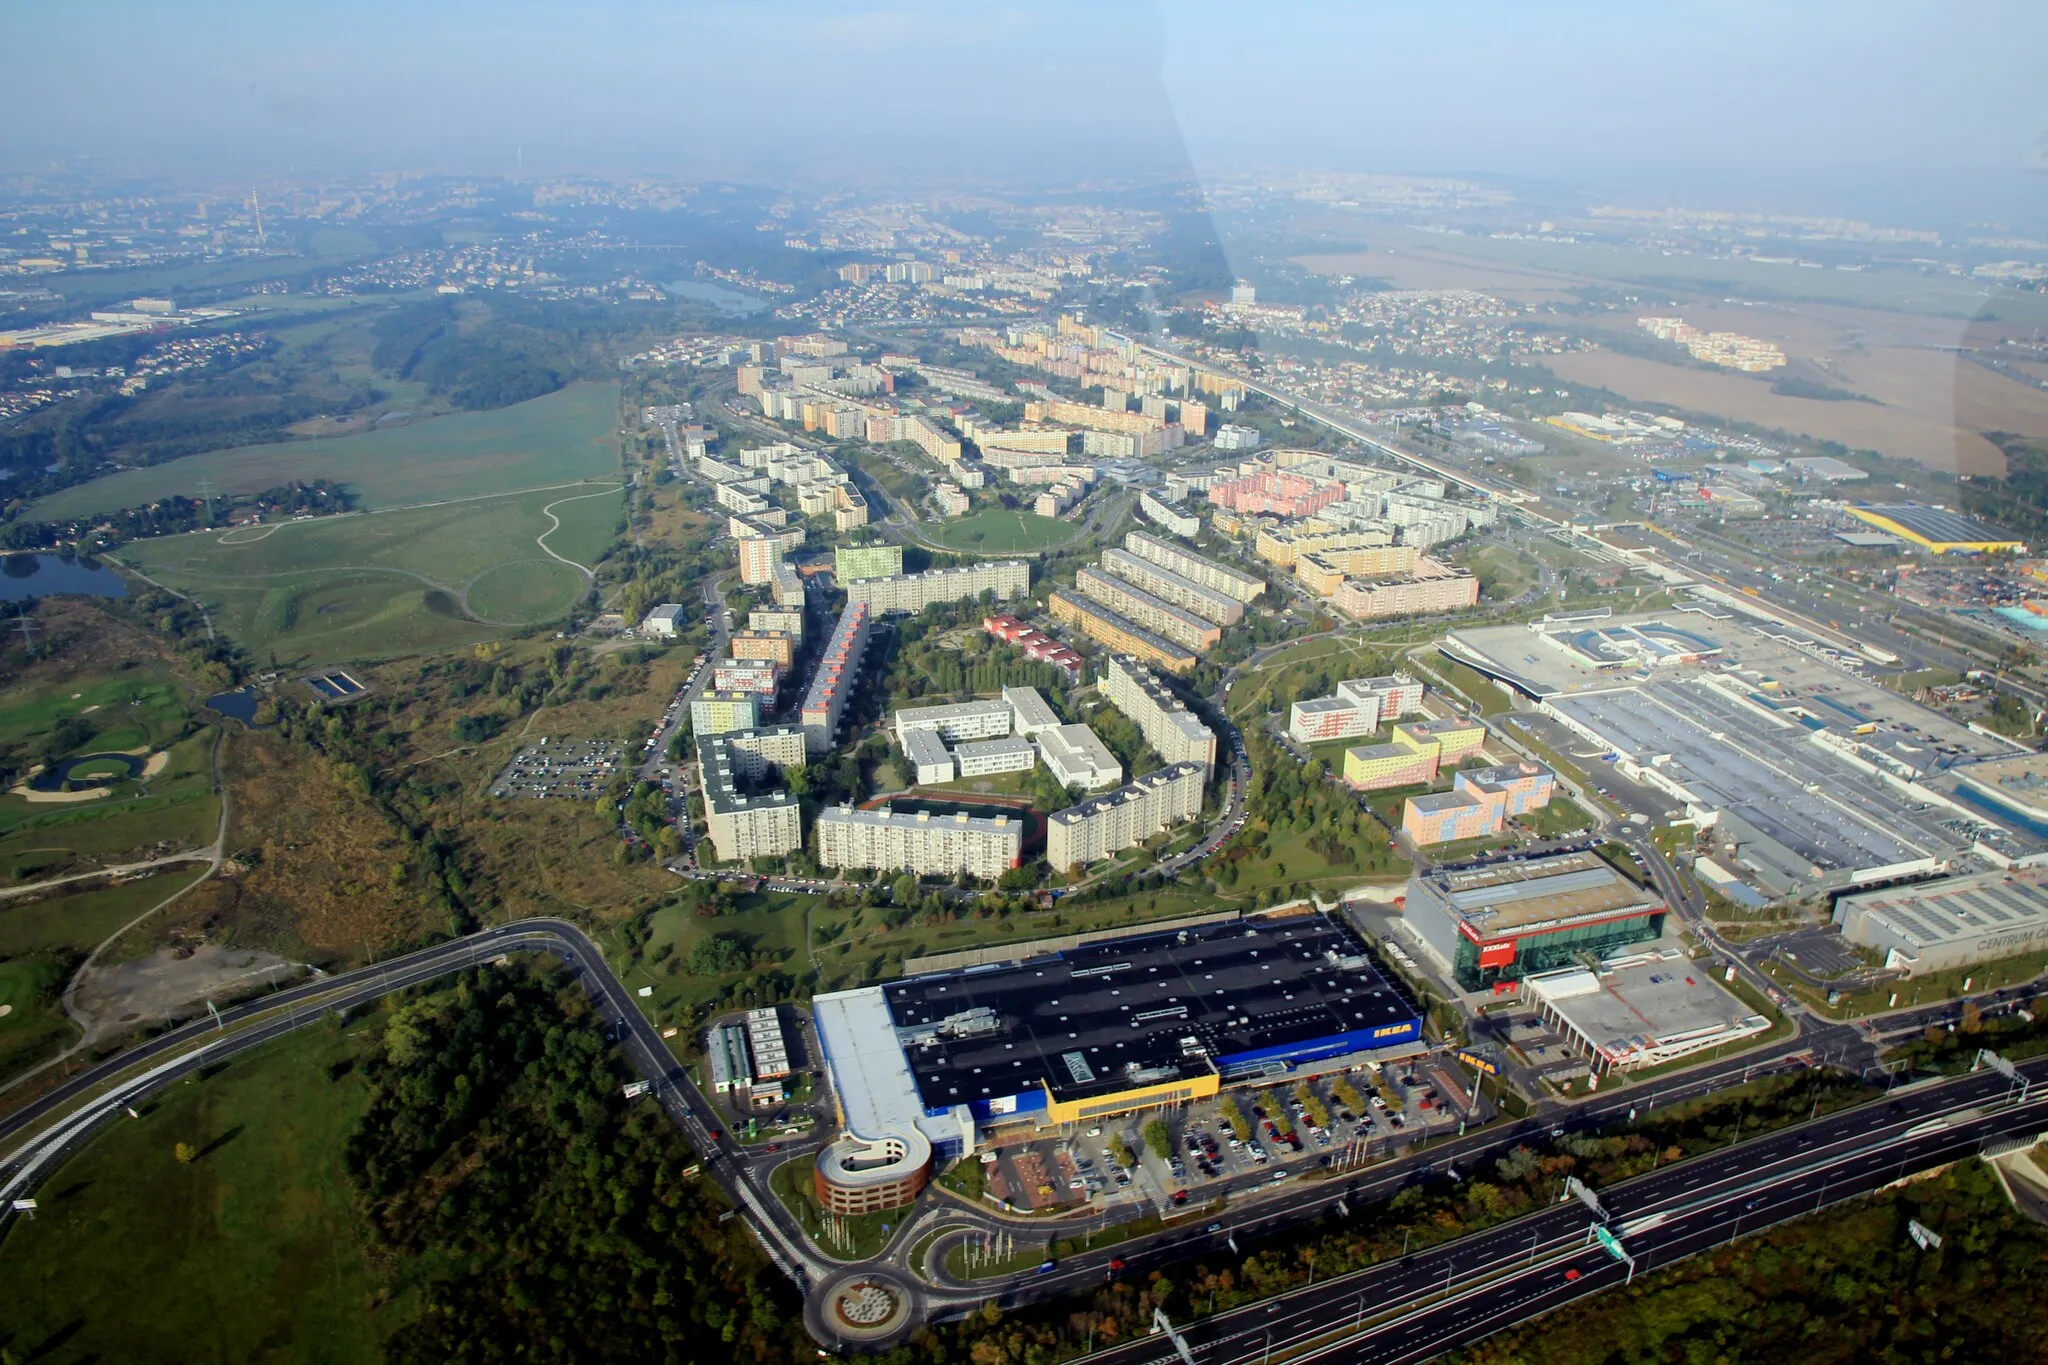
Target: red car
[(1116, 1263), (1572, 1274)]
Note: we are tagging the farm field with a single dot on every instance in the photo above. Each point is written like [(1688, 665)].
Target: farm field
[(557, 439), (1000, 532), (366, 586), (251, 1250)]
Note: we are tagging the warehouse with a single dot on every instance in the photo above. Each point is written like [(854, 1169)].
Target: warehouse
[(1938, 530), (1953, 922), (1121, 1025), (1640, 1011), (1494, 924)]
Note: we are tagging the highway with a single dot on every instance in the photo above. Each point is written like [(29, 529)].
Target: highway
[(1447, 1296)]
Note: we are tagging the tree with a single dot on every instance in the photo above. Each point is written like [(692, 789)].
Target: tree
[(186, 1153), (1158, 1140), (903, 890)]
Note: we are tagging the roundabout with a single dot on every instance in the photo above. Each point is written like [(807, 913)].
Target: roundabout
[(865, 1307)]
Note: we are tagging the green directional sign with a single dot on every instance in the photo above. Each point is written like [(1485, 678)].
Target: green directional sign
[(1611, 1242)]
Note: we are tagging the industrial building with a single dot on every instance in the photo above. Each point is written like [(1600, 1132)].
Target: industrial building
[(920, 842), (1168, 726), (837, 674), (1492, 925), (1938, 530), (956, 721), (664, 620), (1119, 632), (1077, 757), (1164, 583), (1953, 922), (743, 823), (1124, 818), (912, 593), (1207, 572), (1098, 1028), (1640, 1011)]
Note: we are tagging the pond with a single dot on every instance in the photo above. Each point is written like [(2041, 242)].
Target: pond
[(237, 705), (27, 577), (97, 770), (725, 300)]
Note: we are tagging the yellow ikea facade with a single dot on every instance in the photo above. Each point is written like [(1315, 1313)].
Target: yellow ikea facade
[(1930, 539), (1179, 1091)]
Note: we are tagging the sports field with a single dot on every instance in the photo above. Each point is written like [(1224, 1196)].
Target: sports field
[(999, 531), (374, 585), (565, 436)]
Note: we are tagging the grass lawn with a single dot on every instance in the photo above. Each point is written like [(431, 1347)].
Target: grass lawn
[(335, 589), (134, 708), (1001, 532), (560, 438), (252, 1251), (34, 1026), (854, 1237), (81, 921)]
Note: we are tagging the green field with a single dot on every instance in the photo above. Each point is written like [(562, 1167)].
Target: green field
[(251, 1251), (334, 589), (558, 439), (1000, 532)]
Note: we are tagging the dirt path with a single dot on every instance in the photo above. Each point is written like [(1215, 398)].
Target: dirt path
[(549, 512)]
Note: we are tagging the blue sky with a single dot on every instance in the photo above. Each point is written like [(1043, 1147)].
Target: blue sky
[(1721, 95)]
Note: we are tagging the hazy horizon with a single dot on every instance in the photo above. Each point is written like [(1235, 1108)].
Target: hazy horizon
[(1886, 110)]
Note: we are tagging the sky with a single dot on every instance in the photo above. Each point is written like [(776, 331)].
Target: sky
[(1885, 103)]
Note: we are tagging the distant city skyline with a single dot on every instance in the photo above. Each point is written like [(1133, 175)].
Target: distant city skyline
[(1874, 109)]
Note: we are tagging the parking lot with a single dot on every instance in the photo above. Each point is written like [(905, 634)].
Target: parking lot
[(565, 769), (1244, 1139)]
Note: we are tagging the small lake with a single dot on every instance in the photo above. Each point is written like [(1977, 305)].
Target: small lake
[(239, 705), (24, 578), (724, 299)]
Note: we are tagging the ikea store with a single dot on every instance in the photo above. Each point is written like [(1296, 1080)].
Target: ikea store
[(1103, 1028)]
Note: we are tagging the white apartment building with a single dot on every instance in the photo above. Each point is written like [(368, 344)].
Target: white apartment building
[(758, 824), (1169, 727), (912, 593), (921, 843), (930, 760), (1125, 817)]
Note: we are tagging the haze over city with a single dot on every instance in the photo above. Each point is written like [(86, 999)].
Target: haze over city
[(1023, 683)]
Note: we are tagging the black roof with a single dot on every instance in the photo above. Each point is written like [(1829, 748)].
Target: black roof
[(1118, 1014)]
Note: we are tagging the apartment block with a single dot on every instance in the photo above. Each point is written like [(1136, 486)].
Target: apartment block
[(1168, 517), (779, 647), (1285, 545), (1120, 633), (1187, 564), (1178, 589), (758, 556), (1030, 713), (1169, 727), (1398, 694), (1375, 767), (715, 713), (776, 619), (912, 593), (786, 585), (743, 823), (1125, 817), (1431, 588), (955, 722), (921, 843), (1276, 492), (1453, 738), (852, 562), (837, 675), (1154, 613)]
